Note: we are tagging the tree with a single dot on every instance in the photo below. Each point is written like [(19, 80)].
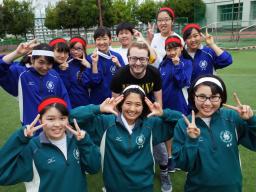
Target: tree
[(51, 18), (194, 10), (2, 28), (18, 17), (147, 11), (107, 12)]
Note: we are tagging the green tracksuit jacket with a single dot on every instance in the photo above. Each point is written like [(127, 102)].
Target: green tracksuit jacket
[(127, 159), (24, 159), (212, 160)]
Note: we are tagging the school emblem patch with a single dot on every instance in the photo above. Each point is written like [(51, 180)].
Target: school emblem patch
[(50, 85), (76, 154), (203, 64), (140, 140), (226, 137), (113, 69)]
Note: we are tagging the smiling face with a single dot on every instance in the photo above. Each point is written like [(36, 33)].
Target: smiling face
[(172, 52), (132, 108), (55, 123), (60, 56), (41, 65), (164, 23), (206, 108), (125, 37), (77, 50), (103, 43), (194, 40)]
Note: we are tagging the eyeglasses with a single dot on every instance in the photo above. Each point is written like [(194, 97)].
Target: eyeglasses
[(163, 20), (77, 49), (134, 59), (203, 98)]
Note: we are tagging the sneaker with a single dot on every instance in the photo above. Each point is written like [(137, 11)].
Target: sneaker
[(166, 184), (171, 165)]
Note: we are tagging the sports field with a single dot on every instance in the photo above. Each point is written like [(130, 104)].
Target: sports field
[(240, 77)]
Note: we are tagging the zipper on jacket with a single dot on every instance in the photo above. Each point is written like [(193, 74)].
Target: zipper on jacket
[(41, 86)]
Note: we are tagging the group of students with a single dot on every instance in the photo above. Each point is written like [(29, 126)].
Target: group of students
[(123, 107)]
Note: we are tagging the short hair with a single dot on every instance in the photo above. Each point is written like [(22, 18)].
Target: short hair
[(215, 89), (45, 47), (138, 45), (126, 93), (125, 25), (101, 32)]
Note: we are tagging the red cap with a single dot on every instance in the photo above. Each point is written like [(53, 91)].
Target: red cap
[(169, 10), (55, 41), (77, 39), (191, 25), (173, 39), (49, 101)]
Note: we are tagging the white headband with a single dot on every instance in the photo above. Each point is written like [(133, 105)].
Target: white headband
[(209, 79), (134, 87), (42, 53)]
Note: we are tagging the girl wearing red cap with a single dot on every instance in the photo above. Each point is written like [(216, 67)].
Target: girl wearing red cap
[(47, 162), (206, 59), (165, 18), (176, 73)]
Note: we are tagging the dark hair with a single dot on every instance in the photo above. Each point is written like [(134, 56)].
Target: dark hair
[(61, 47), (138, 45), (188, 32), (101, 32), (125, 25), (173, 44), (60, 107), (145, 110), (45, 47), (215, 89), (72, 44), (26, 60)]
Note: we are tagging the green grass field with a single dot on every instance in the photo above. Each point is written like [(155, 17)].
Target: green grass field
[(240, 77)]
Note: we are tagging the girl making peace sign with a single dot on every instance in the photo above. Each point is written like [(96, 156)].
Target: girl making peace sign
[(206, 143), (47, 162), (126, 138)]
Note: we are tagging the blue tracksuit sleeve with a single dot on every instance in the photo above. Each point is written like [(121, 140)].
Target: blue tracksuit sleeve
[(89, 155), (62, 92), (246, 130), (223, 60), (184, 148), (182, 74), (163, 126), (91, 120), (16, 160)]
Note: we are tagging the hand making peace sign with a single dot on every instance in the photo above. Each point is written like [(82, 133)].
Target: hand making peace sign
[(80, 134), (244, 111), (208, 38), (109, 105), (192, 130), (30, 129), (25, 48), (84, 61), (155, 108)]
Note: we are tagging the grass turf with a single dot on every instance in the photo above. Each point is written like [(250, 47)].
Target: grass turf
[(239, 77)]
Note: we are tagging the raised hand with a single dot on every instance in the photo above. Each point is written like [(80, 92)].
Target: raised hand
[(192, 130), (25, 48), (30, 129), (84, 61), (95, 57), (64, 66), (176, 60), (209, 40), (150, 32), (109, 105), (80, 134), (115, 61), (155, 108), (245, 111)]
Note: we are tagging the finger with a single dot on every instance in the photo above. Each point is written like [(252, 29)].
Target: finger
[(70, 60), (119, 99), (206, 31), (35, 121), (76, 125), (202, 35), (148, 102), (33, 41), (186, 119), (149, 25), (237, 99), (38, 127), (71, 129), (193, 117), (231, 107), (153, 27)]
